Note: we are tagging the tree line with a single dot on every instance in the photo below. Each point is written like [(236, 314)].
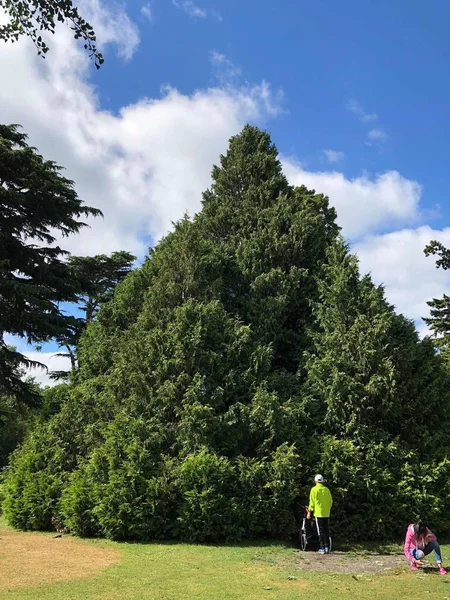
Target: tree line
[(209, 384)]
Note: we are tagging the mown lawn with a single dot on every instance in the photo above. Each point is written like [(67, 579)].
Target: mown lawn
[(38, 566)]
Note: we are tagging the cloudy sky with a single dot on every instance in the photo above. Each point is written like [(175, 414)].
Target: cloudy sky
[(354, 93)]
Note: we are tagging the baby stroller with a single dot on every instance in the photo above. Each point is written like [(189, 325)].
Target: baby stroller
[(308, 532)]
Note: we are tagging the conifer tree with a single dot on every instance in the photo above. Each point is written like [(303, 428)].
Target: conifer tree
[(187, 416), (439, 319), (246, 353), (98, 277), (35, 202)]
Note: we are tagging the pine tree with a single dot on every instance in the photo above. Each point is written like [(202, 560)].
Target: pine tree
[(272, 238), (98, 277), (35, 201), (186, 417), (244, 354)]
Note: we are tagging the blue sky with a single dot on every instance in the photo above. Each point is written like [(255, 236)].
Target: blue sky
[(355, 95), (392, 57)]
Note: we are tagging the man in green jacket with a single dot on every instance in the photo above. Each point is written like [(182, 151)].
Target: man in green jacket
[(320, 503)]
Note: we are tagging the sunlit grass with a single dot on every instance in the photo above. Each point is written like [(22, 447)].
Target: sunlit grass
[(184, 571)]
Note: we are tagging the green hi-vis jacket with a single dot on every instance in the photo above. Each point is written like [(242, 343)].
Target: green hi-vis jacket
[(320, 501)]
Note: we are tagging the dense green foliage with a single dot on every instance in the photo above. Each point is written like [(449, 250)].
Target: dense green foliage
[(383, 405), (245, 354), (17, 419), (33, 17), (35, 202), (15, 415)]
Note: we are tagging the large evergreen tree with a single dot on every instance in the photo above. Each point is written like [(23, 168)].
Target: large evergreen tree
[(35, 202), (245, 353)]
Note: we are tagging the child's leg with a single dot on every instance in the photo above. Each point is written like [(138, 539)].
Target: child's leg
[(413, 552), (437, 551)]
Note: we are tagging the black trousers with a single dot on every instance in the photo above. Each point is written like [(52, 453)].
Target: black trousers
[(323, 531)]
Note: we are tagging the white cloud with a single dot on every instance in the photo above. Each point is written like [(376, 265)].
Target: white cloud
[(226, 72), (355, 107), (377, 134), (111, 25), (49, 359), (53, 363), (334, 156), (363, 204), (397, 260), (146, 11), (145, 166), (148, 164), (191, 9)]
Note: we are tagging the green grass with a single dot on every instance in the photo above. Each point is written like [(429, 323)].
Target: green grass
[(242, 572)]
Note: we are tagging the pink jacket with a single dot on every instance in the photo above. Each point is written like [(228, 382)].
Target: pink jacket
[(411, 541)]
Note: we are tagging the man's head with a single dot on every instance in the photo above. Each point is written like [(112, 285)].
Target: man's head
[(319, 479)]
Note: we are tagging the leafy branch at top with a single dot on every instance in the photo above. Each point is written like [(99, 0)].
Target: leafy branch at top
[(33, 17)]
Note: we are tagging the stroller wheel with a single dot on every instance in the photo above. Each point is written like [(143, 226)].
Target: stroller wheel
[(331, 544), (303, 542)]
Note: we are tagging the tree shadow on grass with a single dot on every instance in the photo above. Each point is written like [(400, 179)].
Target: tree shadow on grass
[(369, 548), (292, 543)]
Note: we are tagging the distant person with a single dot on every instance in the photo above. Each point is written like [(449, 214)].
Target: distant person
[(320, 503), (419, 542)]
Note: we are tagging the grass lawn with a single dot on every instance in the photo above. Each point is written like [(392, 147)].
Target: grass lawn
[(38, 566)]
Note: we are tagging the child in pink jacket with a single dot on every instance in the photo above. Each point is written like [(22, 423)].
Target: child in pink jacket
[(419, 542)]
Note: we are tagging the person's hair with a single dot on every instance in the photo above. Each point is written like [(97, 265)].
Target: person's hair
[(419, 528)]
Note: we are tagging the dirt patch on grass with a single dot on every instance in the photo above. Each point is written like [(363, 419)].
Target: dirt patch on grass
[(33, 559), (353, 564), (340, 562)]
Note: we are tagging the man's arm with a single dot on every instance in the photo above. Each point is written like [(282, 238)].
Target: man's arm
[(312, 500)]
